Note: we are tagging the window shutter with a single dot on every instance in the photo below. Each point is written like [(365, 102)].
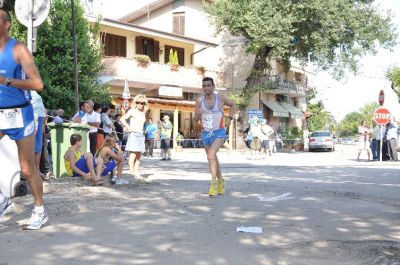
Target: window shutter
[(182, 25), (139, 45), (156, 51), (175, 24), (181, 56)]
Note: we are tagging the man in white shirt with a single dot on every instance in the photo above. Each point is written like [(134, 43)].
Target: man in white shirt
[(391, 139), (92, 118)]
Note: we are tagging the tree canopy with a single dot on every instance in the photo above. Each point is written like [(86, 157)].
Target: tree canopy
[(348, 126), (54, 56), (333, 35), (319, 118), (393, 75)]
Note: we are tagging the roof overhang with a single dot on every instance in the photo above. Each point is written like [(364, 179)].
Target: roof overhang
[(151, 32), (145, 9)]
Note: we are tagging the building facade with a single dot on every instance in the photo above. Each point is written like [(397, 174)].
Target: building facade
[(184, 28)]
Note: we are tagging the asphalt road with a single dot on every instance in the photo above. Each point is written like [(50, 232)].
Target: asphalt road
[(313, 208)]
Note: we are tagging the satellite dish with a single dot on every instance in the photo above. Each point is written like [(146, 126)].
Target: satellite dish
[(41, 9)]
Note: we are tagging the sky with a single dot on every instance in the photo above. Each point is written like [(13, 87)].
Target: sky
[(340, 97)]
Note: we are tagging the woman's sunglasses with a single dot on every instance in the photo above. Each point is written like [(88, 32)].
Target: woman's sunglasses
[(142, 103)]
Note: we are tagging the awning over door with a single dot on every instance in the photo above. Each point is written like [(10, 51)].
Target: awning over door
[(295, 113), (277, 110)]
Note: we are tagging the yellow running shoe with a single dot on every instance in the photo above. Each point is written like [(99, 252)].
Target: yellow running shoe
[(213, 188), (221, 186)]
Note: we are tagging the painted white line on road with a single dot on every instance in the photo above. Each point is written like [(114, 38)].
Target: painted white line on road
[(276, 198)]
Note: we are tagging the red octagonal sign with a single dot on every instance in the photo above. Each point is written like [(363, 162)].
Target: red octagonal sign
[(382, 116)]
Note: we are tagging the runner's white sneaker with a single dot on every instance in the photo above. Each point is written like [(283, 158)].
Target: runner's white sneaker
[(37, 221), (5, 206)]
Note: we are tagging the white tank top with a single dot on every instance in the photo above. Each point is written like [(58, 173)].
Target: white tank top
[(213, 119)]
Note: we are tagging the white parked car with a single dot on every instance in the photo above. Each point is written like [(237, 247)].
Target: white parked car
[(321, 140)]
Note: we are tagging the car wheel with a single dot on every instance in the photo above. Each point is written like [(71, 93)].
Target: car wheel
[(310, 150)]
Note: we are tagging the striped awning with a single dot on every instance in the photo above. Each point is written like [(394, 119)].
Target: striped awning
[(295, 113), (277, 110)]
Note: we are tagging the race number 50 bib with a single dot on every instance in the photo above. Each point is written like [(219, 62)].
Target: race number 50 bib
[(11, 119)]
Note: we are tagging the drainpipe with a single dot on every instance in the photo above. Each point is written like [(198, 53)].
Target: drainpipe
[(191, 55)]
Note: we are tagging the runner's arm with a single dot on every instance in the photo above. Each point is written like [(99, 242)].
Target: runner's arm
[(197, 115), (23, 57), (231, 104)]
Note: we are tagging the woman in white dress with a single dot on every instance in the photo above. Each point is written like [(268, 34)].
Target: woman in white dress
[(135, 143)]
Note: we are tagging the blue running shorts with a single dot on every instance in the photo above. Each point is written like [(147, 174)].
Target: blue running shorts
[(209, 137), (109, 167), (29, 125)]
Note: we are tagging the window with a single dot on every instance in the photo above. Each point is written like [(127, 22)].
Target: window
[(149, 47), (113, 45), (179, 51), (281, 98), (178, 23)]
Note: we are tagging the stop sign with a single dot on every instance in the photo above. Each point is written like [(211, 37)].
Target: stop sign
[(382, 116)]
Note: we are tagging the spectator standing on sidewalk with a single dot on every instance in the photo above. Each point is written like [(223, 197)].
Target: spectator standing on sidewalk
[(209, 116), (391, 139), (40, 115), (364, 133), (165, 136), (119, 129), (150, 130), (19, 123), (108, 125), (82, 111), (92, 118), (135, 143), (376, 130)]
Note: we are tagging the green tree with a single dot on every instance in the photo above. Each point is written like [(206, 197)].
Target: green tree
[(319, 118), (367, 112), (54, 57), (349, 125), (393, 75), (332, 35)]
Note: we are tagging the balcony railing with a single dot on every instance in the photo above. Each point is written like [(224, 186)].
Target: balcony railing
[(285, 86), (155, 73)]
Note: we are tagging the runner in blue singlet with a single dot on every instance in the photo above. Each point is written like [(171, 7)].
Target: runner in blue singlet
[(16, 114)]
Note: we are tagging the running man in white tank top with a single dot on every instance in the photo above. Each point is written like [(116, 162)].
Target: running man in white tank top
[(209, 115)]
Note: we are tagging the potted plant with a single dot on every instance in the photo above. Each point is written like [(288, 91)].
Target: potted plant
[(142, 60), (173, 60), (200, 69), (294, 139)]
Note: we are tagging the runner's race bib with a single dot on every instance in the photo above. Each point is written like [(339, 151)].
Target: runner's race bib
[(11, 119), (208, 121)]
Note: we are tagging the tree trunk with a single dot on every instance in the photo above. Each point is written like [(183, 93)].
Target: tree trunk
[(257, 74)]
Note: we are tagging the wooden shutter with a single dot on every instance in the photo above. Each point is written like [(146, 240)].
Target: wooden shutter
[(113, 45), (178, 23), (182, 24), (156, 53), (139, 45), (181, 56), (175, 24)]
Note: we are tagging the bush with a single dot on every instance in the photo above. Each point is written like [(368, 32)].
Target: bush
[(142, 58)]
